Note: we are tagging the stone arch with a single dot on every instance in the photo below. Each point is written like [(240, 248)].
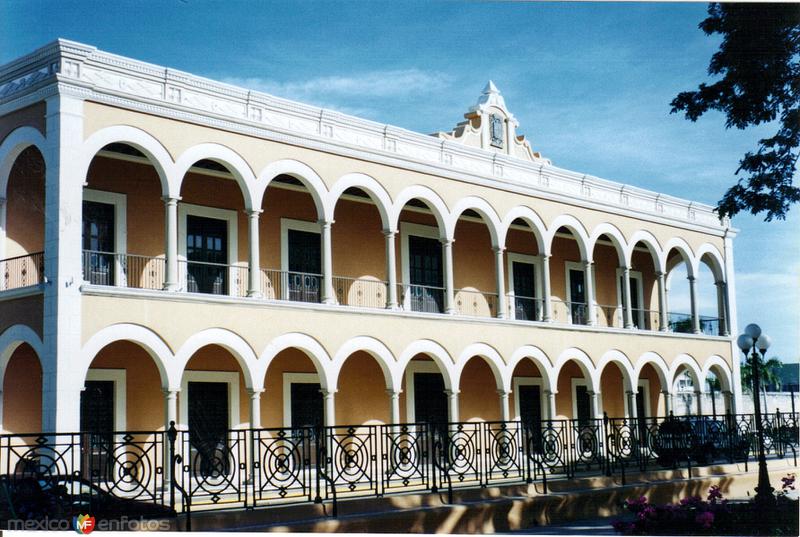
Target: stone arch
[(623, 362), (380, 352), (151, 342), (685, 360), (490, 356), (685, 251), (577, 230), (721, 370), (302, 172), (229, 341), (652, 245), (482, 207), (710, 255), (11, 339), (436, 352), (540, 359), (153, 149), (310, 347), (431, 199), (234, 162), (533, 220), (659, 365), (584, 363), (374, 190), (613, 233), (12, 146)]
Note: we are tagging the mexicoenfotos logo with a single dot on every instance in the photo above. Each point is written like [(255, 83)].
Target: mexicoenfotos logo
[(83, 524)]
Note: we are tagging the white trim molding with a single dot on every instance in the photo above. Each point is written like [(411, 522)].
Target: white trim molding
[(118, 377), (288, 380), (229, 216), (120, 203), (231, 378), (516, 382), (416, 366), (536, 261)]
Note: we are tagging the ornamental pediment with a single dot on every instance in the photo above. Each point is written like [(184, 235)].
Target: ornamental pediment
[(491, 126)]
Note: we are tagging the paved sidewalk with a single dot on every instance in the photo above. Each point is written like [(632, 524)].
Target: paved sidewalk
[(594, 526)]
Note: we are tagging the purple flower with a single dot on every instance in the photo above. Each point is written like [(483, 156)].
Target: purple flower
[(714, 494), (788, 482)]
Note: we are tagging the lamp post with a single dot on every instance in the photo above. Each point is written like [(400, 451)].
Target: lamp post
[(755, 340)]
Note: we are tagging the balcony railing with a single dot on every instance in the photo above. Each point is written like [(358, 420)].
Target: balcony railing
[(22, 271), (527, 308), (252, 468), (609, 316), (569, 312), (360, 292), (423, 298), (682, 323), (134, 271), (474, 303), (292, 286), (213, 278)]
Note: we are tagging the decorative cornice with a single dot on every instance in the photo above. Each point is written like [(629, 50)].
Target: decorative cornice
[(90, 73)]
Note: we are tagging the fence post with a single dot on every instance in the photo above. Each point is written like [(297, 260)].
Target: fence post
[(172, 435), (605, 444)]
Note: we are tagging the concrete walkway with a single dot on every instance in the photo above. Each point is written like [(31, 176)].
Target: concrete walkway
[(594, 526)]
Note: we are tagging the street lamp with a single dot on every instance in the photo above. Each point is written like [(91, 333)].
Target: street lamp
[(755, 340)]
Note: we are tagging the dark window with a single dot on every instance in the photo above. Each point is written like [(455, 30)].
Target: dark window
[(305, 266), (635, 300), (525, 304), (208, 427), (430, 401), (583, 405), (98, 241), (530, 411), (207, 255), (307, 413), (577, 293), (425, 271), (97, 420)]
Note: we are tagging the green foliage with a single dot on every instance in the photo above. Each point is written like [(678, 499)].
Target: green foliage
[(768, 373), (759, 65)]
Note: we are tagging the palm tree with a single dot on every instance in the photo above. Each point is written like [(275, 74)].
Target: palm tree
[(767, 372)]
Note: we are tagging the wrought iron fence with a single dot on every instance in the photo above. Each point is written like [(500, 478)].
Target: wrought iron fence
[(123, 270), (475, 303), (263, 467), (22, 271), (360, 292)]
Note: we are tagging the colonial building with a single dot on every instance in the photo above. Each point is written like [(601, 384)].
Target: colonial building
[(175, 248)]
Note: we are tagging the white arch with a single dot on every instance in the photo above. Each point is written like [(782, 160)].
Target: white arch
[(540, 359), (658, 363), (577, 229), (685, 252), (530, 217), (435, 352), (141, 140), (490, 356), (430, 198), (302, 172), (11, 339), (151, 342), (716, 264), (482, 207), (236, 165), (625, 366), (726, 376), (611, 231), (373, 188), (15, 143), (584, 363), (374, 348), (226, 339), (690, 364), (652, 245), (310, 346)]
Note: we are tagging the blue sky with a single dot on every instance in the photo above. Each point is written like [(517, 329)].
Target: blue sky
[(589, 83)]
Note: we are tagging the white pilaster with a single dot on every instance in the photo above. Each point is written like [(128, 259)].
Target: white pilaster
[(663, 318), (590, 298), (62, 260), (329, 407), (254, 269), (733, 328), (594, 405), (452, 405), (391, 269), (721, 309), (505, 414), (632, 410), (626, 297), (693, 298), (171, 282), (447, 259), (255, 408), (500, 279), (548, 304), (328, 296), (394, 405), (698, 401), (550, 398)]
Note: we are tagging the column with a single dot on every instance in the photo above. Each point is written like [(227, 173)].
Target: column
[(452, 405), (550, 398), (723, 318), (3, 207), (667, 402), (253, 279), (61, 319), (698, 401), (693, 298), (394, 408), (626, 297), (171, 281), (447, 258), (548, 305), (504, 410), (727, 399), (391, 269), (255, 408), (328, 296), (589, 276), (632, 410), (170, 415), (329, 407), (499, 273), (594, 403), (663, 319)]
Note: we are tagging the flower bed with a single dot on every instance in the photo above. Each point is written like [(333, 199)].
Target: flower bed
[(713, 516)]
